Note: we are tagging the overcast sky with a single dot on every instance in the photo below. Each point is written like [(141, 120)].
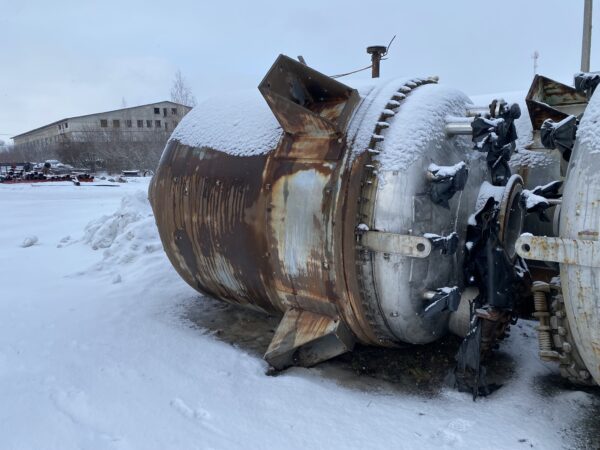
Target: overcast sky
[(66, 58)]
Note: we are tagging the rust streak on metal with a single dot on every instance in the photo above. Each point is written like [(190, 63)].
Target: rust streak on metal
[(216, 215)]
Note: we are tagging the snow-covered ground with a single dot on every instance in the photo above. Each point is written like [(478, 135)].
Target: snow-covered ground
[(102, 345)]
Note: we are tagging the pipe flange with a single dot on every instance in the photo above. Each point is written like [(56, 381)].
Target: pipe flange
[(511, 214)]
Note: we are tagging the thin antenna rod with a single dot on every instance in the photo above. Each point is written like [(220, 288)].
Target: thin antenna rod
[(587, 36)]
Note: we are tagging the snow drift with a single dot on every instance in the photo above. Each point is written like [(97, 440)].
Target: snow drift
[(128, 235)]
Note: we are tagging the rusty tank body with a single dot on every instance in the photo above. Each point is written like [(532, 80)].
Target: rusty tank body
[(383, 213)]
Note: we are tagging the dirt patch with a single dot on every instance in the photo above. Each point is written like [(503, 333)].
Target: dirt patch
[(416, 369)]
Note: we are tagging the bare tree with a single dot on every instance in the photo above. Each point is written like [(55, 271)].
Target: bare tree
[(30, 152), (181, 92), (112, 149)]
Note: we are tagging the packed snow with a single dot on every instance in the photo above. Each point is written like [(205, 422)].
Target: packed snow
[(239, 124), (531, 158), (242, 123), (533, 200), (375, 96), (29, 241), (419, 123), (486, 191), (103, 346), (588, 128), (446, 171)]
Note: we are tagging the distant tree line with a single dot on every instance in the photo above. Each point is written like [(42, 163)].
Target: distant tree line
[(111, 150)]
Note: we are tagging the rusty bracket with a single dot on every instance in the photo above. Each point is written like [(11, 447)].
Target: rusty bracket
[(402, 244), (305, 338), (564, 251), (307, 102), (549, 99)]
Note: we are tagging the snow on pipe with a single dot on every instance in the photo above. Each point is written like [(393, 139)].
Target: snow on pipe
[(461, 126), (474, 111)]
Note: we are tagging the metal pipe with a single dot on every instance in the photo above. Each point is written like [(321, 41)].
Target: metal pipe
[(375, 61), (459, 128), (474, 111), (376, 52), (587, 36), (493, 108)]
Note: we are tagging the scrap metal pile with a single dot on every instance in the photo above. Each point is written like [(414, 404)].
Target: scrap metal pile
[(394, 213), (28, 173)]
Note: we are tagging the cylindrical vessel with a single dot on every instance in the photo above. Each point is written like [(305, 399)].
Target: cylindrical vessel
[(580, 221), (286, 205)]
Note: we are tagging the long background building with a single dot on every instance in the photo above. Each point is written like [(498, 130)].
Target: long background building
[(113, 140)]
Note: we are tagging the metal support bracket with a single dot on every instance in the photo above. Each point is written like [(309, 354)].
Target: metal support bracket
[(402, 244), (304, 338), (564, 251)]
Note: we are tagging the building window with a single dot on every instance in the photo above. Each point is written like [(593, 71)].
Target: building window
[(156, 110), (103, 123), (166, 126), (148, 124), (66, 124), (174, 111), (59, 127), (157, 123), (128, 123), (140, 123), (164, 112), (116, 123)]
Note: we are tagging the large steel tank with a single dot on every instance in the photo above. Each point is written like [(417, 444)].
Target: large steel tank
[(569, 305), (346, 210)]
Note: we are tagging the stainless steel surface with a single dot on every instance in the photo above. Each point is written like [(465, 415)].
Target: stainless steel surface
[(401, 244), (401, 205), (456, 127), (580, 221)]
